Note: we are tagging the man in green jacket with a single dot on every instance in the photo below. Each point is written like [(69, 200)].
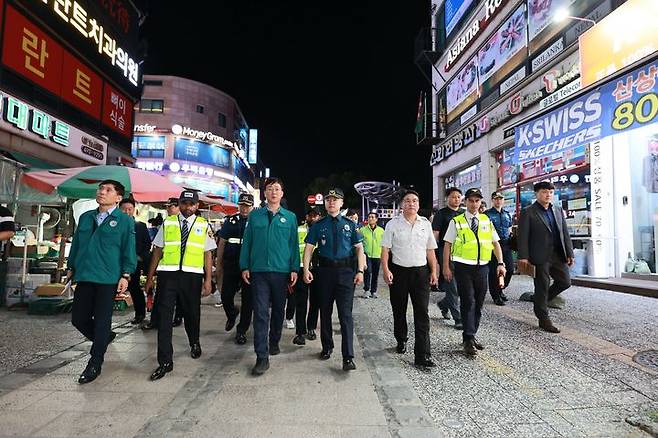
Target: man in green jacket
[(372, 246), (101, 259), (269, 261)]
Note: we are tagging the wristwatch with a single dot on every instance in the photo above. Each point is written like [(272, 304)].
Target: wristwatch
[(126, 276), (501, 264), (359, 272)]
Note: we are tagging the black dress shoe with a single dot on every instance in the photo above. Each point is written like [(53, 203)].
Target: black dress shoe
[(111, 338), (230, 323), (311, 335), (261, 366), (148, 326), (348, 365), (401, 348), (299, 340), (477, 344), (548, 326), (177, 322), (469, 348), (503, 297), (444, 311), (324, 355), (424, 362), (274, 349), (195, 350), (160, 371), (137, 320), (240, 339), (499, 302), (89, 374)]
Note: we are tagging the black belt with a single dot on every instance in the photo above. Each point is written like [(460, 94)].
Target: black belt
[(325, 262)]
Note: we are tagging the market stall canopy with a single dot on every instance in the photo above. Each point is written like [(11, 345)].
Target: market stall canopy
[(219, 204), (82, 182)]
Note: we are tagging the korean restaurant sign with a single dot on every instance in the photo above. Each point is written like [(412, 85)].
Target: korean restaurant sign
[(27, 121), (628, 102), (485, 16), (117, 111)]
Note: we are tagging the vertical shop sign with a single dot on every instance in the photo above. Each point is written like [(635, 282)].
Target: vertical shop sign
[(81, 87), (117, 111), (601, 171)]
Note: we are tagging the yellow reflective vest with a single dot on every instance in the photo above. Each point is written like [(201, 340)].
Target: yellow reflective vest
[(193, 259), (469, 248)]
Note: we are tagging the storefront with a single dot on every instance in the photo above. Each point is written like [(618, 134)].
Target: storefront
[(465, 178)]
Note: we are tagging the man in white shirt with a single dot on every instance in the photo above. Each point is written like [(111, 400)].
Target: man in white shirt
[(413, 269)]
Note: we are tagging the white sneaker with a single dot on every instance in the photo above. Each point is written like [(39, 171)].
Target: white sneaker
[(290, 324)]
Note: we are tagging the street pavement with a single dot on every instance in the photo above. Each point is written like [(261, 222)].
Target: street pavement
[(526, 383)]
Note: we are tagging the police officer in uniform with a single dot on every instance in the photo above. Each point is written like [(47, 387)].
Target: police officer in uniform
[(502, 221), (305, 298), (229, 277), (182, 255), (335, 236)]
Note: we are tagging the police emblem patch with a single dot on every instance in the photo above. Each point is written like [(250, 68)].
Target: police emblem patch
[(113, 223), (283, 220), (198, 231), (346, 227)]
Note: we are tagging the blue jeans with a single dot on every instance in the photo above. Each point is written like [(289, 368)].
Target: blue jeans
[(268, 289), (451, 300)]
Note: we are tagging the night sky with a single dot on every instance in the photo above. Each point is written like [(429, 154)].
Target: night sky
[(331, 86)]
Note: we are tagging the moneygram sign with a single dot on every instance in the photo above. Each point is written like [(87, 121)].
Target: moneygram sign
[(628, 102)]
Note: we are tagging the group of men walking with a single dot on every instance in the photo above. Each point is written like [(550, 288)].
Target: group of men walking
[(266, 255)]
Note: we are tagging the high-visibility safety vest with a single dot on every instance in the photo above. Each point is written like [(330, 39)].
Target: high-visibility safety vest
[(193, 258), (469, 248), (302, 232)]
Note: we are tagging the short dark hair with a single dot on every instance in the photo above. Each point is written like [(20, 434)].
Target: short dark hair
[(375, 213), (272, 180), (127, 201), (312, 212), (351, 212), (120, 189), (453, 189), (541, 185), (410, 192)]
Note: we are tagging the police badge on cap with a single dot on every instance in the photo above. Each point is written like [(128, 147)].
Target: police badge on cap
[(189, 195)]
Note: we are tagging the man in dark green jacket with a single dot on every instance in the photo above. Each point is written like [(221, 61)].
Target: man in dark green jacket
[(101, 259), (269, 261)]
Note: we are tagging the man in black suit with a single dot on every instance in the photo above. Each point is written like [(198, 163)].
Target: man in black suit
[(544, 242), (143, 249)]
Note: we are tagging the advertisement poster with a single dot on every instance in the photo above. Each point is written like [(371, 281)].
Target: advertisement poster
[(626, 103), (504, 51), (454, 11), (201, 152), (462, 90), (149, 146), (541, 19)]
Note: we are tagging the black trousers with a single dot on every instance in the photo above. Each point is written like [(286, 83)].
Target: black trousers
[(306, 300), (336, 284), (411, 283), (186, 286), (494, 288), (231, 283), (472, 288), (372, 275), (291, 301), (557, 268), (178, 311), (92, 315), (136, 292)]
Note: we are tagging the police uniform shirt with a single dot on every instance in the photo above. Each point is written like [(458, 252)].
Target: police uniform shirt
[(501, 220), (335, 237), (409, 242), (209, 244), (451, 232), (232, 231)]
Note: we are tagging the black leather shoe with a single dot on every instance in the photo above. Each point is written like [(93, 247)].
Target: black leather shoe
[(469, 348), (444, 311), (160, 371), (274, 349), (401, 348), (89, 374), (477, 344), (348, 365), (240, 339), (499, 302), (548, 326), (261, 366), (299, 340), (148, 326), (137, 320), (311, 335), (195, 350), (230, 323), (177, 322), (111, 338), (503, 297), (324, 355), (424, 362)]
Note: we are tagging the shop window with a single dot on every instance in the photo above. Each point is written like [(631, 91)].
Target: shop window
[(221, 120), (199, 109), (151, 106)]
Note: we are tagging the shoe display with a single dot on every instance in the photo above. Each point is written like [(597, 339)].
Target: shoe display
[(324, 355), (261, 366), (290, 324), (274, 349), (299, 340), (311, 335), (401, 348), (89, 374), (195, 350), (240, 339), (160, 371), (348, 365)]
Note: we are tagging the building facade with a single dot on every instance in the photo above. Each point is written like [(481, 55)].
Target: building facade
[(518, 99), (195, 135)]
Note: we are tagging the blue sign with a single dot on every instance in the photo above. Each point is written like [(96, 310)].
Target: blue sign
[(253, 146), (242, 171), (628, 102), (148, 146), (454, 11), (201, 152)]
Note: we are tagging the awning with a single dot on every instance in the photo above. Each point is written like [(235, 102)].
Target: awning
[(29, 161)]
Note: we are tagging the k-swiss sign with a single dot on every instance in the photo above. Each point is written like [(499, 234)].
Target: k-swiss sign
[(473, 30)]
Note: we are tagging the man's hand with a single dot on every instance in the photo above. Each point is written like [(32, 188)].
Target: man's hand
[(207, 287), (148, 287), (570, 261), (447, 273), (245, 276), (501, 271), (122, 286), (358, 278), (293, 279), (434, 279), (388, 277), (308, 277)]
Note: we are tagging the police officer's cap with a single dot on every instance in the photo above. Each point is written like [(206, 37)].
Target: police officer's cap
[(189, 195), (246, 199), (495, 195), (473, 192), (334, 193), (541, 185), (172, 201)]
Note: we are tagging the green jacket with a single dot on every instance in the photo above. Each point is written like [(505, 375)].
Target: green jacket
[(372, 241), (270, 246), (102, 254)]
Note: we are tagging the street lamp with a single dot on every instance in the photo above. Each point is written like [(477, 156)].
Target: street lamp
[(563, 13)]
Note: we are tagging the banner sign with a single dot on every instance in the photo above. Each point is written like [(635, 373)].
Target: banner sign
[(201, 152), (628, 102)]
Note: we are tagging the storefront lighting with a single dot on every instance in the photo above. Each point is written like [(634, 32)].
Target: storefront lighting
[(563, 14)]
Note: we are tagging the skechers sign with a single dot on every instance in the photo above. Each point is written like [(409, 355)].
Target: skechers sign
[(628, 102)]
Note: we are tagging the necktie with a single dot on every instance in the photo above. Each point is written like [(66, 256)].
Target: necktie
[(335, 234), (184, 232), (474, 225)]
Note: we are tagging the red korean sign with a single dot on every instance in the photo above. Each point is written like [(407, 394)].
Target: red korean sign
[(81, 87), (30, 52), (117, 111)]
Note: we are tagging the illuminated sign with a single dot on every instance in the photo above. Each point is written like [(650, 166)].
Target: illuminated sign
[(81, 87), (145, 128), (200, 135), (201, 152), (117, 111), (253, 146), (26, 121)]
